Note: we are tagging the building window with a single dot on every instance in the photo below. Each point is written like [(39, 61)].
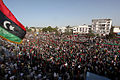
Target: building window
[(86, 30), (74, 29), (83, 29), (108, 24), (80, 29), (107, 28), (103, 25)]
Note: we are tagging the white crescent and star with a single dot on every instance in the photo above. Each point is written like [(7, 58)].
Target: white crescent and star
[(10, 27)]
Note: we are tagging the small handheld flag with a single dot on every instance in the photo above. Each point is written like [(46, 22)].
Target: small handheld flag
[(10, 28)]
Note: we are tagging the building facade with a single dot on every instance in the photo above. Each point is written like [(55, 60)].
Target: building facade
[(65, 29), (81, 29), (35, 29), (101, 26), (116, 29), (61, 29)]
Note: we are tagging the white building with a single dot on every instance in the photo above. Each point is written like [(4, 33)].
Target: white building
[(62, 29), (101, 26), (65, 29), (116, 29), (35, 29), (81, 29)]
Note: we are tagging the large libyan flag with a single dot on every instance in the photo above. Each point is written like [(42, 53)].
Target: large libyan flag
[(10, 28)]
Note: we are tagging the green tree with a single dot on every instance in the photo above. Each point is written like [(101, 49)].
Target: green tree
[(44, 29), (28, 29), (91, 34), (50, 29)]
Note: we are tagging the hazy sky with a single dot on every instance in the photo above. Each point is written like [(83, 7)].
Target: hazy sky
[(43, 13)]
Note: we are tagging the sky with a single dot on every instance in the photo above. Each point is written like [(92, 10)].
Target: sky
[(43, 13)]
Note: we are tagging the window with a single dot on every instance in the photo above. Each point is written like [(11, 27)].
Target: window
[(107, 28), (83, 29), (86, 29), (74, 29), (80, 29), (103, 25), (108, 24)]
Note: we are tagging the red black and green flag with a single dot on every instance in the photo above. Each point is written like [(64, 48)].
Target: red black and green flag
[(10, 28)]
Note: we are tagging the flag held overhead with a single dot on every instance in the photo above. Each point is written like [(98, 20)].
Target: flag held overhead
[(10, 28)]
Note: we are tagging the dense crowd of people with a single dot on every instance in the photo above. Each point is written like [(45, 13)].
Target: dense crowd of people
[(59, 57)]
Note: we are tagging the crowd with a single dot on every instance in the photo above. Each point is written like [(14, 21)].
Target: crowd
[(63, 57)]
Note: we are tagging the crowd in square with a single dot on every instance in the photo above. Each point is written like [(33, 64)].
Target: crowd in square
[(59, 57)]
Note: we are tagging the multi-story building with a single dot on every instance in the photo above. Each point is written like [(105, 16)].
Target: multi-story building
[(84, 29), (101, 26)]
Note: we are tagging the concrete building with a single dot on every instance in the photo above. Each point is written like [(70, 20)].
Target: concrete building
[(116, 29), (61, 29), (36, 29), (84, 29), (101, 26), (65, 29)]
